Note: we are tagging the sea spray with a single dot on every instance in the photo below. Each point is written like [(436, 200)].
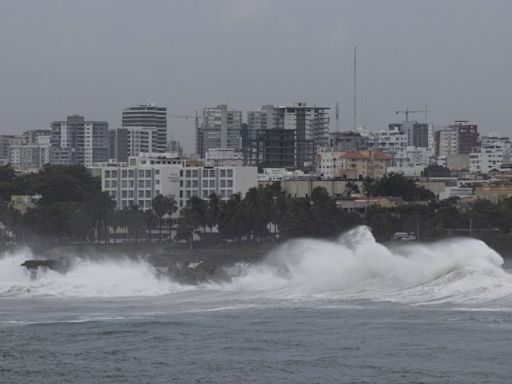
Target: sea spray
[(85, 278), (354, 266), (357, 267)]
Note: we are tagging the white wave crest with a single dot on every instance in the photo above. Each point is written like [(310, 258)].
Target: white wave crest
[(86, 278), (464, 271), (357, 267)]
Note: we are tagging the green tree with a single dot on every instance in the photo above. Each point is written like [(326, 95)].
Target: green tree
[(233, 218), (163, 205), (213, 211)]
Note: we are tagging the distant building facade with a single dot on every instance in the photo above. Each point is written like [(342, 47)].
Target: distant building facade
[(354, 165), (218, 127), (137, 182), (486, 158), (347, 141), (6, 141), (29, 157), (467, 135), (77, 141)]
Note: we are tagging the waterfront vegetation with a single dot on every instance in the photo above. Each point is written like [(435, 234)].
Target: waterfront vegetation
[(72, 210)]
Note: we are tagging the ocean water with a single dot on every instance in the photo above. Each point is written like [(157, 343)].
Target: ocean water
[(348, 311)]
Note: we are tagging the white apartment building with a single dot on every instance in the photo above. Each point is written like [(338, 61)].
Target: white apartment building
[(6, 141), (281, 174), (216, 157), (142, 178), (77, 141), (328, 162), (447, 142), (486, 158), (29, 157), (391, 141), (503, 142)]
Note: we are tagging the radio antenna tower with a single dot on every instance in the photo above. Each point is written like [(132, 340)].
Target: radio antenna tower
[(355, 88), (337, 116)]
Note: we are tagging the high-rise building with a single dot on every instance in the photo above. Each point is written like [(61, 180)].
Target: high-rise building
[(287, 136), (467, 135), (77, 141), (29, 156), (37, 136), (148, 117), (446, 142), (5, 143), (418, 134), (264, 118), (310, 123), (218, 127), (133, 141)]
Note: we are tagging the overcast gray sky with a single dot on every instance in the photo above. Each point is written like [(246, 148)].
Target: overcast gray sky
[(94, 57)]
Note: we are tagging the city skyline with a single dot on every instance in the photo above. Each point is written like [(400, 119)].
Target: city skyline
[(257, 53)]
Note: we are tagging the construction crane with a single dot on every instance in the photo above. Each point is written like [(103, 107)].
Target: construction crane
[(407, 111)]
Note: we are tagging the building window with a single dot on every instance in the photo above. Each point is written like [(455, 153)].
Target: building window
[(230, 183), (187, 173), (205, 183), (114, 184), (205, 173), (130, 174), (194, 173), (148, 173), (148, 193), (223, 183), (124, 174), (141, 194), (107, 174), (187, 184), (230, 173), (114, 174), (194, 183), (212, 183), (222, 173), (141, 173), (212, 173), (107, 184), (141, 183)]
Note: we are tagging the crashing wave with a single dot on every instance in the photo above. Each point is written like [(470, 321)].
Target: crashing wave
[(464, 271)]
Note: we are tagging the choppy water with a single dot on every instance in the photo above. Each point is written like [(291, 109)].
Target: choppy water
[(351, 311)]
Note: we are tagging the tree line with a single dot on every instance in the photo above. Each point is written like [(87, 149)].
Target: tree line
[(72, 209)]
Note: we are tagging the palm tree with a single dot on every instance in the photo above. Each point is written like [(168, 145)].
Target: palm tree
[(161, 206), (213, 211)]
